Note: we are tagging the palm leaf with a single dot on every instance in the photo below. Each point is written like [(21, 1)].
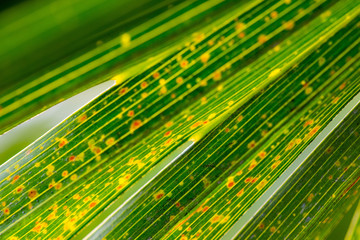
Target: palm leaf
[(185, 144)]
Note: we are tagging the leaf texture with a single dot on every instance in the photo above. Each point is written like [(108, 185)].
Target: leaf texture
[(247, 94)]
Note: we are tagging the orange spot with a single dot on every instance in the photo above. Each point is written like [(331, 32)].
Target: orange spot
[(240, 118), (156, 75), (179, 80), (205, 208), (216, 218), (58, 186), (143, 84), (335, 100), (262, 155), (190, 117), (82, 118), (15, 178), (289, 25), (342, 86), (168, 124), (205, 57), (183, 237), (77, 197), (135, 125), (240, 27), (314, 130), (6, 211), (19, 189), (252, 164), (308, 122), (32, 193), (158, 195), (274, 14), (131, 113), (62, 142), (110, 141), (168, 142), (184, 63), (195, 125), (275, 165), (167, 134), (241, 35), (65, 173), (290, 145), (217, 75), (93, 204), (251, 144), (123, 91), (96, 150), (72, 158), (310, 197), (230, 182), (272, 229), (240, 193), (249, 179), (262, 38)]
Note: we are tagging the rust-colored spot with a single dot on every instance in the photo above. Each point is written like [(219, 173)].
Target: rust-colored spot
[(158, 195), (135, 125), (15, 178), (123, 91), (32, 193), (167, 134), (93, 204), (156, 75), (82, 118)]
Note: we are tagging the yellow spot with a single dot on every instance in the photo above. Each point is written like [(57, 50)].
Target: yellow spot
[(261, 184), (163, 90), (50, 170), (76, 196), (239, 27), (216, 218), (125, 39), (211, 116), (162, 82), (275, 73), (321, 61)]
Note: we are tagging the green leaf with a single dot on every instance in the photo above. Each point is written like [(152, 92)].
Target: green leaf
[(188, 141)]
